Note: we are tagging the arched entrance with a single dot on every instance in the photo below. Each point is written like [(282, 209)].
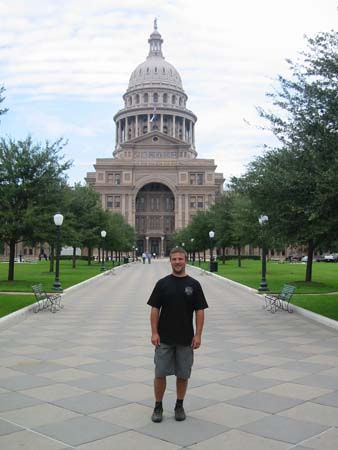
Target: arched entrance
[(155, 218)]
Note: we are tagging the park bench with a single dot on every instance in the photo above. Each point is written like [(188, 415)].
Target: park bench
[(45, 300), (280, 301)]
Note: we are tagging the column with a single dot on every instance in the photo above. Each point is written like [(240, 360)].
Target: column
[(148, 115), (193, 133), (174, 125), (162, 246), (147, 243), (136, 125), (183, 131), (119, 132), (161, 123)]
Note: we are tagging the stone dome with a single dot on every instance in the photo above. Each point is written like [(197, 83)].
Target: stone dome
[(155, 70)]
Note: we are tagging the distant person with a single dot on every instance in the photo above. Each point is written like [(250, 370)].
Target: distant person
[(173, 302), (149, 257), (144, 257)]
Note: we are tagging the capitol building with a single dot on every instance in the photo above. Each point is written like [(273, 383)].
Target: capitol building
[(155, 179)]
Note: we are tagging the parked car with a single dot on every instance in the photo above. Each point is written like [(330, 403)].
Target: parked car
[(304, 259), (319, 258), (331, 258)]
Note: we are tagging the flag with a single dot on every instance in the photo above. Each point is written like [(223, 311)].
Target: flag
[(153, 117)]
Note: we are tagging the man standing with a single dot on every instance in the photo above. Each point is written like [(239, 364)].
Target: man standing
[(173, 302)]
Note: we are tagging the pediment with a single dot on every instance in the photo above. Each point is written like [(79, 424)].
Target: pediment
[(155, 138)]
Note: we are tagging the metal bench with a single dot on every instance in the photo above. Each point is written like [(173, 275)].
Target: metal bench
[(281, 300), (45, 300)]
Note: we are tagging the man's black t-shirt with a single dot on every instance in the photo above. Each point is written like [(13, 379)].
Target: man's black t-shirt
[(177, 298)]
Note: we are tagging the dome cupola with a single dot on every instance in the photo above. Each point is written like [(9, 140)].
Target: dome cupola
[(155, 71)]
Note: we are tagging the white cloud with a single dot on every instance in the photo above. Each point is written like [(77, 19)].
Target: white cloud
[(227, 53)]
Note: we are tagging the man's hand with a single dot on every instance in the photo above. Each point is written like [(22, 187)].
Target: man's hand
[(196, 342), (155, 339)]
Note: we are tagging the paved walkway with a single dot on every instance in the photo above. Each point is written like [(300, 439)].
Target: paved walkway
[(82, 378)]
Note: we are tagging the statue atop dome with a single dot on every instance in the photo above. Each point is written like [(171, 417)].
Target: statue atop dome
[(155, 42)]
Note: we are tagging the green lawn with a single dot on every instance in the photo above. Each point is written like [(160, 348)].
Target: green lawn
[(12, 302), (326, 305), (324, 278), (315, 296), (27, 274)]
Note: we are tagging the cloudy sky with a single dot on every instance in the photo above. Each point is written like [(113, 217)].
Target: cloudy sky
[(65, 65)]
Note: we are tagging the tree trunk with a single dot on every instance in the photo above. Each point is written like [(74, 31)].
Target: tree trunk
[(310, 248), (223, 255), (204, 255), (74, 258), (89, 256), (239, 259), (51, 259), (11, 260)]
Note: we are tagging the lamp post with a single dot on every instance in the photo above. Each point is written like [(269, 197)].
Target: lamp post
[(193, 250), (58, 219), (211, 236), (263, 220), (103, 235)]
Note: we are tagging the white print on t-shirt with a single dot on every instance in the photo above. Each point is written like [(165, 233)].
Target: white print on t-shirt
[(188, 290)]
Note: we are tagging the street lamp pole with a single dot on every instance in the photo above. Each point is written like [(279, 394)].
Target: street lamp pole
[(193, 250), (103, 235), (211, 236), (58, 220), (263, 220)]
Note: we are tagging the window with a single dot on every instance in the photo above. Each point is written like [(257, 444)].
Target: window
[(137, 98), (117, 201), (109, 203), (155, 69), (114, 178), (200, 202), (145, 98), (155, 97), (193, 201), (173, 99), (196, 178), (165, 98)]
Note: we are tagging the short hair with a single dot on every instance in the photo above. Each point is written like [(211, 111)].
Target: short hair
[(178, 250)]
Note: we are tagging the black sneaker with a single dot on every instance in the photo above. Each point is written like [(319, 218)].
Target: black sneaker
[(179, 413), (157, 414)]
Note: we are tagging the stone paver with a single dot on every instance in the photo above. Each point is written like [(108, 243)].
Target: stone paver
[(82, 378)]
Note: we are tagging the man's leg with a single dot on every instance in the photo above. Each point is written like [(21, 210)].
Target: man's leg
[(181, 389), (160, 384)]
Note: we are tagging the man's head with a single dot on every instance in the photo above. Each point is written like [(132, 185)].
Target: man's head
[(178, 259)]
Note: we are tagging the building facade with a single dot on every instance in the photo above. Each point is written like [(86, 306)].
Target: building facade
[(155, 179)]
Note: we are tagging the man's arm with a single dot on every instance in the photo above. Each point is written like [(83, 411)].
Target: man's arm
[(199, 319), (154, 316)]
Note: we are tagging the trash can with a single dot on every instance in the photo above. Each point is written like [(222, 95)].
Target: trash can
[(213, 266), (125, 260)]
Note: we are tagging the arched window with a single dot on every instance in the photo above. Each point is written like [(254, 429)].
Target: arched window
[(155, 69), (130, 101), (173, 99), (155, 97), (145, 98), (180, 101), (165, 98), (137, 98)]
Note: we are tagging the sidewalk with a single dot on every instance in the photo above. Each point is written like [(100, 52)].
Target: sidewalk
[(82, 378)]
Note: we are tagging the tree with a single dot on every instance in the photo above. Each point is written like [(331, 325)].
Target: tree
[(84, 218), (297, 185), (31, 176), (2, 111)]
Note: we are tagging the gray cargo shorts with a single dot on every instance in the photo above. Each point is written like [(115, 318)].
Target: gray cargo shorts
[(173, 360)]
